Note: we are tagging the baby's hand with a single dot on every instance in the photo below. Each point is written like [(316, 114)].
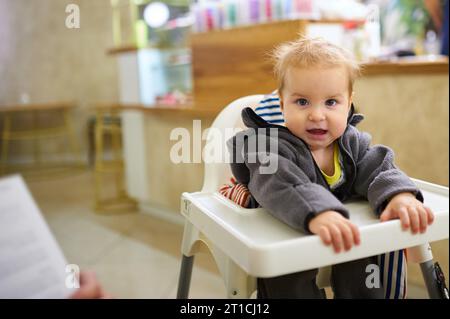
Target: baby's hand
[(412, 213), (333, 228)]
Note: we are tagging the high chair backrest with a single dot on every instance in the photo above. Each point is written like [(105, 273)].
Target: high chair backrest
[(226, 124)]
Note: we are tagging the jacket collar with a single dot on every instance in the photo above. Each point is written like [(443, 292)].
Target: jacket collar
[(354, 118)]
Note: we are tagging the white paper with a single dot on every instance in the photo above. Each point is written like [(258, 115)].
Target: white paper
[(31, 262)]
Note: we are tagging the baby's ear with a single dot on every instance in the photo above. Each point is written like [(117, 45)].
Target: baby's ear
[(350, 100)]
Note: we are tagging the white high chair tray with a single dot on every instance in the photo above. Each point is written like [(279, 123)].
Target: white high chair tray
[(263, 246)]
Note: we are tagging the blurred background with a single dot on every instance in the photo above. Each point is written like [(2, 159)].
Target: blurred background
[(90, 91)]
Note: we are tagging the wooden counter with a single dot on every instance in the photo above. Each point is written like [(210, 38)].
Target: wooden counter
[(417, 65), (229, 64), (179, 110)]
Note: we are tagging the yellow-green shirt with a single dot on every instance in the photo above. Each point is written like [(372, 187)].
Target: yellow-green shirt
[(335, 178)]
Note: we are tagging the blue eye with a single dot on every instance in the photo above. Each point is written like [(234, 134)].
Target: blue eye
[(301, 102), (331, 102)]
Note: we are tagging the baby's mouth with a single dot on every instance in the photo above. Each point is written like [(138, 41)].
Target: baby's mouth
[(317, 131)]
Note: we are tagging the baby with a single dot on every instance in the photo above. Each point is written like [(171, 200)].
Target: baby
[(322, 161)]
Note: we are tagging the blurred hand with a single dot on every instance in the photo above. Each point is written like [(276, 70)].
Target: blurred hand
[(90, 288), (411, 212), (334, 229)]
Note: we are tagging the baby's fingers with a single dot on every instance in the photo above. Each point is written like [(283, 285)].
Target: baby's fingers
[(430, 215), (414, 218), (355, 231), (325, 235), (336, 238), (347, 236), (404, 218), (423, 219)]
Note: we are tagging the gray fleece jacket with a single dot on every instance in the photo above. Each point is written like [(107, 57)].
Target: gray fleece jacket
[(297, 191)]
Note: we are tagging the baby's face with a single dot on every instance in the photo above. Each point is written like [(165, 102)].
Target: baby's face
[(315, 104)]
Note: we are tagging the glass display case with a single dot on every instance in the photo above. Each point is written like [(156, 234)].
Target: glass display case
[(165, 75), (160, 33)]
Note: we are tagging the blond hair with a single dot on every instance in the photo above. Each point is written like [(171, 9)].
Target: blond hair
[(312, 52)]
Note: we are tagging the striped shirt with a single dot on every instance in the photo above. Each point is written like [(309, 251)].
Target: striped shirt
[(269, 109)]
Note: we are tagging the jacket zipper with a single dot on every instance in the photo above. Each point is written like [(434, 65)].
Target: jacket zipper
[(318, 171), (353, 165)]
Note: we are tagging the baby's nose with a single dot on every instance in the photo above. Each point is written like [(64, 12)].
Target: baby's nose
[(316, 115)]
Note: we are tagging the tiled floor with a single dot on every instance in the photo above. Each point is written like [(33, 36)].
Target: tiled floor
[(134, 255)]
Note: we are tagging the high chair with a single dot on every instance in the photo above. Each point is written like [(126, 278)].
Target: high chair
[(108, 124), (250, 243)]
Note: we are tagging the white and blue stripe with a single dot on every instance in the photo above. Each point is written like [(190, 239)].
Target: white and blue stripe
[(269, 109), (393, 273)]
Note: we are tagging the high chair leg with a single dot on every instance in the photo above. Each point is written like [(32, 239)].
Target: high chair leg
[(237, 282), (423, 255), (429, 276), (184, 281)]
